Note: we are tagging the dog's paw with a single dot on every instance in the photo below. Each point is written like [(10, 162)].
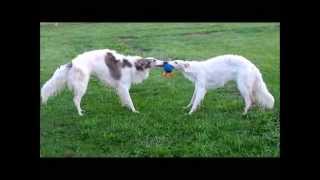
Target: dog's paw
[(81, 112), (135, 111)]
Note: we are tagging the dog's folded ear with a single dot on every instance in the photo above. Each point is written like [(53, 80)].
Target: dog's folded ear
[(142, 64), (186, 65)]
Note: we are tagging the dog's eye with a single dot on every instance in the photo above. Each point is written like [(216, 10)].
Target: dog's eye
[(175, 62)]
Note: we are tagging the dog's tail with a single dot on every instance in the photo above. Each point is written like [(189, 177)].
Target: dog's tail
[(56, 83), (261, 93)]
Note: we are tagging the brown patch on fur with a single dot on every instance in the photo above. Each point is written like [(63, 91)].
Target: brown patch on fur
[(114, 66), (142, 64), (126, 63)]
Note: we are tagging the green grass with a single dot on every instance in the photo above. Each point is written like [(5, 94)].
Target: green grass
[(162, 129)]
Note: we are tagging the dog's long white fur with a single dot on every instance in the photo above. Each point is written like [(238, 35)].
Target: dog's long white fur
[(215, 72), (76, 76), (55, 84)]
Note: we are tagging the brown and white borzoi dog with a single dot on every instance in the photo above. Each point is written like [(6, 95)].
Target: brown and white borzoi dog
[(112, 68)]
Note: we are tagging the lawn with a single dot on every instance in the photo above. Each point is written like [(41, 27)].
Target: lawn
[(162, 129)]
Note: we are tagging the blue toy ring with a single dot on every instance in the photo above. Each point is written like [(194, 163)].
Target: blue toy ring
[(168, 68)]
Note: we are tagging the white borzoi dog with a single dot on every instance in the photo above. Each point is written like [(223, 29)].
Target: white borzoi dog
[(215, 72), (112, 68)]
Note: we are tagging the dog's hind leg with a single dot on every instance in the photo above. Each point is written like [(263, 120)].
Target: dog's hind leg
[(78, 82), (125, 98), (253, 100), (201, 92), (245, 84), (246, 94), (192, 99)]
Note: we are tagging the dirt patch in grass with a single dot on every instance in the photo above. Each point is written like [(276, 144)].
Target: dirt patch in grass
[(200, 33), (127, 37)]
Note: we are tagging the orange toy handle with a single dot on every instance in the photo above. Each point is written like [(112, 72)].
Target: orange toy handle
[(167, 75)]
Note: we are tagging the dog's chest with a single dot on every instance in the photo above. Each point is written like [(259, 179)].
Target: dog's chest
[(190, 77)]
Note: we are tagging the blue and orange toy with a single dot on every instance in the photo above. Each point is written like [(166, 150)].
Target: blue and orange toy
[(167, 70)]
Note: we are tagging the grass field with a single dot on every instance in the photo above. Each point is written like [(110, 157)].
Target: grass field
[(162, 129)]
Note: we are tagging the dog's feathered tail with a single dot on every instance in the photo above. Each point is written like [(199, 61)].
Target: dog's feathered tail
[(56, 83), (261, 93)]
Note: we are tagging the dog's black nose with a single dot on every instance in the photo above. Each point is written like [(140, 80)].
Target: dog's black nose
[(166, 62)]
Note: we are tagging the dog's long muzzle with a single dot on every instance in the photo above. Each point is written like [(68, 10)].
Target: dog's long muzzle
[(161, 65)]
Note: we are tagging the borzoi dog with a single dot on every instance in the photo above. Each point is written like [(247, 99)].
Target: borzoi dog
[(112, 68), (215, 72)]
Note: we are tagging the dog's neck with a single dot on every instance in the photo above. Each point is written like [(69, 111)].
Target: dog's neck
[(191, 71), (139, 76)]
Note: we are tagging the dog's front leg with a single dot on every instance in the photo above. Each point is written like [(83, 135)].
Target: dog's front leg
[(192, 99), (125, 98), (201, 92)]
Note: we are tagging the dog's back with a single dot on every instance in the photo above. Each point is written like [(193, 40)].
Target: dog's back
[(229, 62), (219, 70)]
